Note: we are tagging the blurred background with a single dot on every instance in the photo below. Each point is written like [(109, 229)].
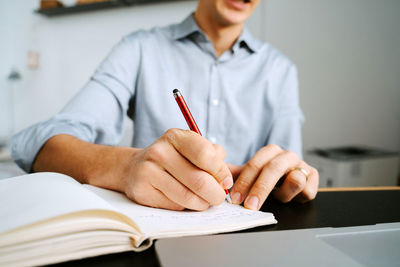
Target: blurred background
[(347, 53)]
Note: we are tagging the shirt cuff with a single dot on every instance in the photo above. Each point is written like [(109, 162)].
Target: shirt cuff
[(26, 144)]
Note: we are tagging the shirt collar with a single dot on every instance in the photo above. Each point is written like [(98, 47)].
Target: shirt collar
[(247, 40), (189, 26), (186, 28)]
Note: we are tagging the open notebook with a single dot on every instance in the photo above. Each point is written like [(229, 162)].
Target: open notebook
[(50, 217)]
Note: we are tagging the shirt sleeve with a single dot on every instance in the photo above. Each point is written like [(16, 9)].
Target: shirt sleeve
[(286, 129), (95, 114)]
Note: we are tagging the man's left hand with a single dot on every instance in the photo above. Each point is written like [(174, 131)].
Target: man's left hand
[(261, 175)]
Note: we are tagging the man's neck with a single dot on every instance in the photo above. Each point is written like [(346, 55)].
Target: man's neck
[(222, 37)]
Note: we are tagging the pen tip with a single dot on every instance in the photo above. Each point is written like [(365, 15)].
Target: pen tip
[(175, 91), (228, 198)]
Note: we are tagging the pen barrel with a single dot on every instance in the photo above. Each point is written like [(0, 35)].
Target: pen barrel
[(187, 114), (191, 122)]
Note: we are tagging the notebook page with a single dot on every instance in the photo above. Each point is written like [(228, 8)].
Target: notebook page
[(158, 223), (35, 197)]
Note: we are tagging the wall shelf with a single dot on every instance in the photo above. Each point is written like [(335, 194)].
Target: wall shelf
[(50, 12)]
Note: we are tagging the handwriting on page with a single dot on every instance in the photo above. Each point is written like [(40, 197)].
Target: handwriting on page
[(213, 214), (151, 219)]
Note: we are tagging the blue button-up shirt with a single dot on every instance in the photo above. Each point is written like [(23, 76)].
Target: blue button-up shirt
[(242, 100)]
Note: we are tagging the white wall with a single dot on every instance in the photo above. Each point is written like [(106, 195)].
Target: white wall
[(347, 52), (348, 55), (70, 48)]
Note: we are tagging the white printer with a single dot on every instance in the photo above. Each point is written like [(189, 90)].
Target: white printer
[(351, 166)]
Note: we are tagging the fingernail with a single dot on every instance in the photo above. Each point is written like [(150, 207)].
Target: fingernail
[(227, 183), (235, 198), (252, 203)]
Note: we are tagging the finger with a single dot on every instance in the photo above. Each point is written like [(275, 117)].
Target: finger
[(294, 182), (310, 190), (269, 176), (235, 170), (159, 200), (178, 193), (200, 152), (142, 192), (196, 180), (150, 196), (251, 171)]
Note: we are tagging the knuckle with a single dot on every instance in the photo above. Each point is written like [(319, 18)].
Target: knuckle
[(277, 165), (296, 184), (291, 156), (254, 165), (171, 135), (156, 153), (199, 183), (273, 147), (242, 184), (260, 187)]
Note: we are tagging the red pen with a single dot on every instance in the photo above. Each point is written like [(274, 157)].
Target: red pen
[(191, 123)]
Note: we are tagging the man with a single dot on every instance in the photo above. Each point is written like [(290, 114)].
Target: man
[(242, 93)]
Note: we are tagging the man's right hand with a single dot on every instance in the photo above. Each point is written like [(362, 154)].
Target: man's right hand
[(180, 170)]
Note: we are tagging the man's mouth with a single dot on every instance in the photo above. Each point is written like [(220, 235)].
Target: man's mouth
[(239, 4)]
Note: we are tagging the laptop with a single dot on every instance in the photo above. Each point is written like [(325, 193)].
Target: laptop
[(373, 245)]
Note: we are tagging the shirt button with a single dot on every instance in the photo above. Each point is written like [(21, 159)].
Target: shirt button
[(215, 102), (213, 139)]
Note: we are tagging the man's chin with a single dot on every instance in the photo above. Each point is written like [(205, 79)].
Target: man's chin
[(231, 18)]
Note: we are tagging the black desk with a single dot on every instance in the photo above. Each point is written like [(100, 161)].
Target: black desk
[(329, 209)]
